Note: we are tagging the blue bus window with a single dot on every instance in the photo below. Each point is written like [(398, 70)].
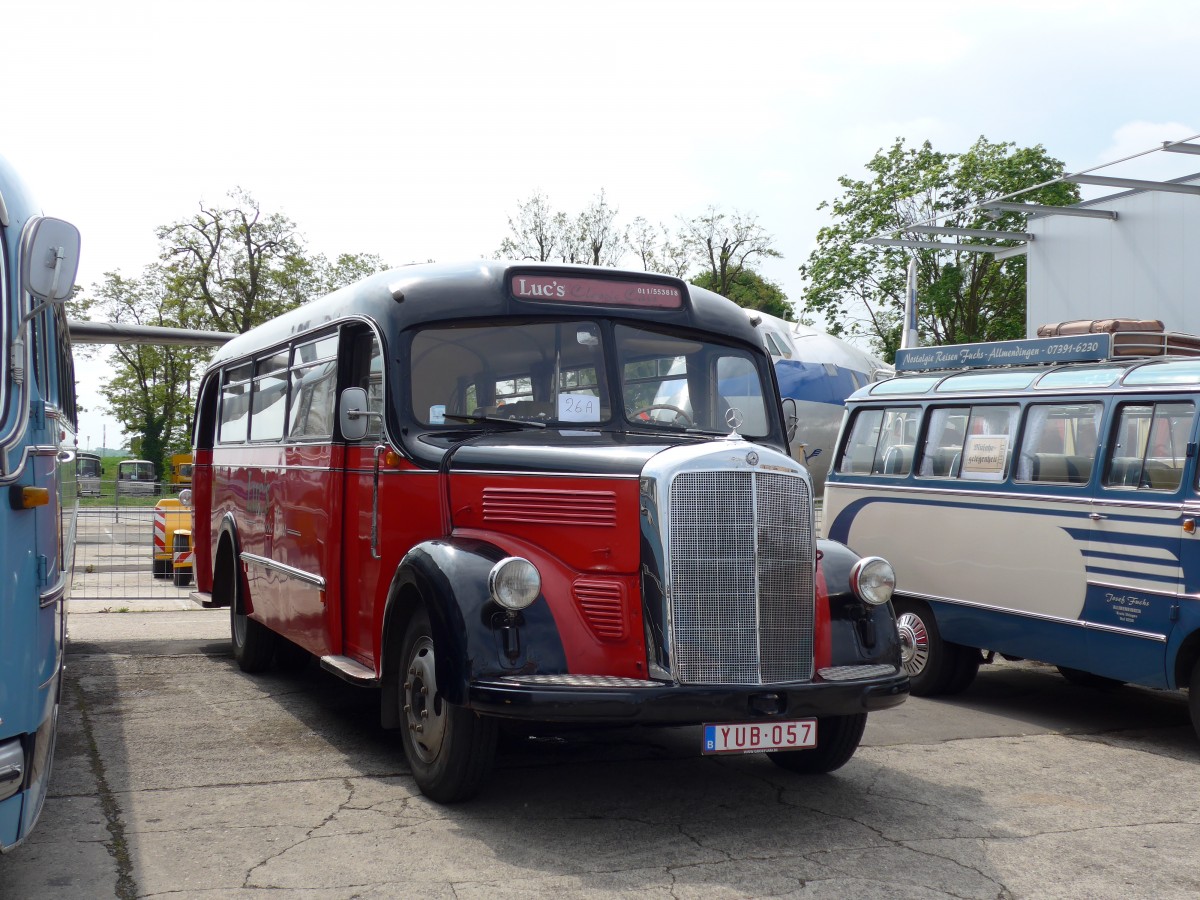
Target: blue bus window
[(1079, 378), (1169, 372), (918, 385), (986, 381)]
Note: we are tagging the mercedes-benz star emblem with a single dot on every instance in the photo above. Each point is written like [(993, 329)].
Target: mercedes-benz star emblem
[(733, 418), (752, 458)]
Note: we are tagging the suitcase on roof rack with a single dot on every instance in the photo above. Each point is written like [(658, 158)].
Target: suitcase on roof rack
[(1098, 326)]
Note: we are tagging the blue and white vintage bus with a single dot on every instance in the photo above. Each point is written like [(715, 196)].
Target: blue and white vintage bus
[(38, 260), (1042, 511)]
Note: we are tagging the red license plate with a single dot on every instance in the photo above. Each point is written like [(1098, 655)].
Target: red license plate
[(758, 737)]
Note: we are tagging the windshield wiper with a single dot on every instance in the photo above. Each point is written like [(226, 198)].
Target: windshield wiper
[(513, 423)]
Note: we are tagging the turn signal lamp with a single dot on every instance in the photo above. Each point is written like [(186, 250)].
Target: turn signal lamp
[(28, 497), (514, 583), (873, 580)]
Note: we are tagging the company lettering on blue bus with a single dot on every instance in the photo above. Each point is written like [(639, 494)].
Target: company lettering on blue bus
[(37, 471), (1043, 511)]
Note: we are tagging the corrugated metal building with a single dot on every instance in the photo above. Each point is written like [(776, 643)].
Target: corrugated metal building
[(1132, 254)]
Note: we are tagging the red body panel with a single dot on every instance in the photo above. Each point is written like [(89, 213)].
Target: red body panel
[(302, 507)]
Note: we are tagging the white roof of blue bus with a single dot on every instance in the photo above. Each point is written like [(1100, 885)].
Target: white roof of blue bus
[(1181, 373)]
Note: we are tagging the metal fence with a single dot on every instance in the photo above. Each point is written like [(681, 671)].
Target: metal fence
[(116, 554)]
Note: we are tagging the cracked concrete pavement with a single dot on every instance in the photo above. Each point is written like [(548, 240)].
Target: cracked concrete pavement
[(178, 776)]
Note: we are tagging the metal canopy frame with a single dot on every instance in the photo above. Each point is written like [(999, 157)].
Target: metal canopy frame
[(1181, 147), (1038, 209), (937, 245), (973, 232), (1136, 184), (1011, 204)]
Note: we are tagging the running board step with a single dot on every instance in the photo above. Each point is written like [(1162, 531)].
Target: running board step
[(350, 670)]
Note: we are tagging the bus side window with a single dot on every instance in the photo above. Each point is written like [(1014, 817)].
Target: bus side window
[(235, 404), (314, 383), (859, 452), (1149, 447), (1058, 443), (881, 442), (941, 456)]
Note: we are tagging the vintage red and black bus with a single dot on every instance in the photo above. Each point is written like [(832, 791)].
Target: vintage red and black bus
[(553, 494)]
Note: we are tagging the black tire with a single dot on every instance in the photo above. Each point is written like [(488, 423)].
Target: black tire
[(253, 642), (162, 568), (1194, 698), (838, 738), (965, 668), (183, 577), (450, 749), (1081, 678)]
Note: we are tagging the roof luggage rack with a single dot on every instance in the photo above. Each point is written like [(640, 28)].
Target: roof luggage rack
[(1086, 340)]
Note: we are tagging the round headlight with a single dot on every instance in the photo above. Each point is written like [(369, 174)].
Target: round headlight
[(514, 583), (185, 496), (873, 580)]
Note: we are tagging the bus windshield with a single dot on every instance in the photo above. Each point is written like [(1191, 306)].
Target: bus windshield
[(558, 372)]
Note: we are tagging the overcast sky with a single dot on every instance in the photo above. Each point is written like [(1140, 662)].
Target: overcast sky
[(413, 130)]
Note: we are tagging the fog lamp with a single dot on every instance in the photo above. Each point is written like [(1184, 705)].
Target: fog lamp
[(873, 580), (514, 583)]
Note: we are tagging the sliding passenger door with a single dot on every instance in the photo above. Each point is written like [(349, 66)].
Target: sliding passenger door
[(1136, 540)]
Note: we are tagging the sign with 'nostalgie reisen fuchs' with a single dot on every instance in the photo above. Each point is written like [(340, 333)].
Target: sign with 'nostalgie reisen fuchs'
[(1030, 351)]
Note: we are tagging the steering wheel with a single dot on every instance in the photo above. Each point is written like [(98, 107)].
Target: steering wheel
[(679, 413)]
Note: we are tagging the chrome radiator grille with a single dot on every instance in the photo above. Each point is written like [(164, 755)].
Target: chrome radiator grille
[(741, 564)]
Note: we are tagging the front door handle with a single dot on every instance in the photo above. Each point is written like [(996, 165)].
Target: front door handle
[(1096, 517)]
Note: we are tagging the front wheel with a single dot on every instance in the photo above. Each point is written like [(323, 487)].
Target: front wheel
[(838, 738), (450, 749), (934, 666)]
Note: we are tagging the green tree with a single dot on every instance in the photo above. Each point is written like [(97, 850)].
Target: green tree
[(225, 269), (750, 290), (657, 249), (717, 245), (152, 389), (723, 244), (536, 233), (233, 267), (962, 296)]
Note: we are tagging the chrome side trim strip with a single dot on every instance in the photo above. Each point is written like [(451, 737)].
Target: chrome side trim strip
[(289, 571), (1042, 617), (54, 594)]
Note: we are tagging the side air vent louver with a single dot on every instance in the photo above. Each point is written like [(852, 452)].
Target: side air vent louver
[(543, 507), (603, 605)]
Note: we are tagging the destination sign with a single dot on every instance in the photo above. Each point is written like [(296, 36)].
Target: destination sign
[(1030, 351), (600, 291)]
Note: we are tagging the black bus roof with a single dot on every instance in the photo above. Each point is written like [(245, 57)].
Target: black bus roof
[(480, 289)]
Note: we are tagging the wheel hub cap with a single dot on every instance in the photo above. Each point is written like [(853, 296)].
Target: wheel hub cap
[(914, 643), (424, 711)]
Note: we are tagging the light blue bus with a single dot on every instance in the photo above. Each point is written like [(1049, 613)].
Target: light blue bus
[(1039, 500), (38, 261)]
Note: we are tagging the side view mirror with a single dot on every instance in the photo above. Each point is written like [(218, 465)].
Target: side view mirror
[(49, 261), (353, 414), (49, 258), (791, 417)]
